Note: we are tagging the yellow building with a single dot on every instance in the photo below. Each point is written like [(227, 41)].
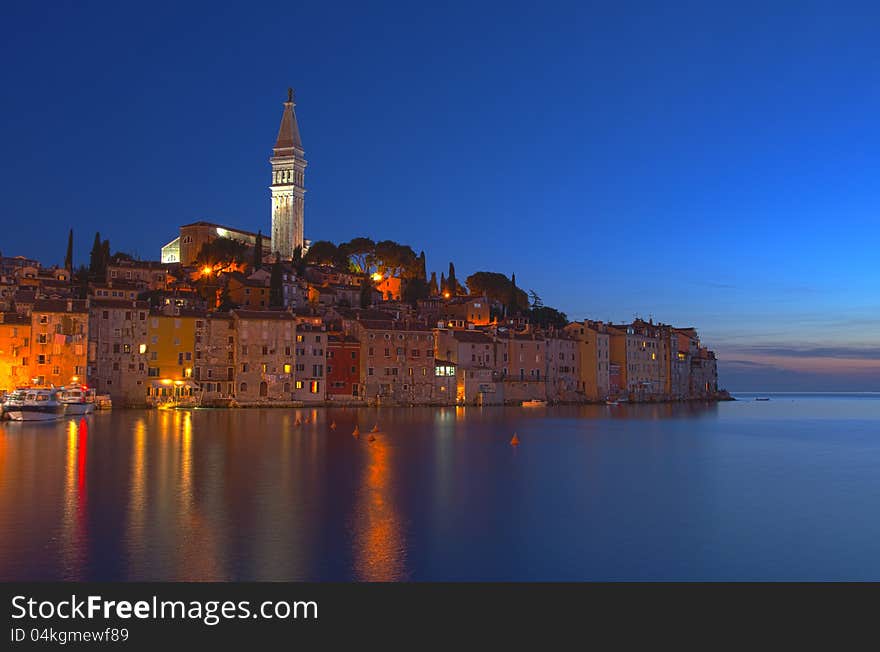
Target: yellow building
[(594, 358), (15, 339), (172, 342)]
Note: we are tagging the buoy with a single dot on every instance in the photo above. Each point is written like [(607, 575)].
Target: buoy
[(333, 426), (371, 438), (515, 440), (375, 428), (356, 432)]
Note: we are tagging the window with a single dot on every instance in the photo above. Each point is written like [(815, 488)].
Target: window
[(242, 387), (369, 371), (299, 384), (287, 369), (314, 386)]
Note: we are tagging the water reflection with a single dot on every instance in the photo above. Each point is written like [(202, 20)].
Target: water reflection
[(73, 521), (379, 545), (629, 491)]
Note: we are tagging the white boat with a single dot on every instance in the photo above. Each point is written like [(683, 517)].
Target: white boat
[(30, 404), (79, 399), (534, 403)]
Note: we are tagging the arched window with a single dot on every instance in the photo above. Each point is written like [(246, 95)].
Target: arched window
[(264, 389), (243, 387)]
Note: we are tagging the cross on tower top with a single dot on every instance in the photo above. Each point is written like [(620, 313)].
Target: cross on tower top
[(290, 95)]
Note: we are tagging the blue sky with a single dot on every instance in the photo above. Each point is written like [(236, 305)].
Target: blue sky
[(705, 164)]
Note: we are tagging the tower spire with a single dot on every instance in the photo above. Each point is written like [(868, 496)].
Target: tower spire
[(288, 132)]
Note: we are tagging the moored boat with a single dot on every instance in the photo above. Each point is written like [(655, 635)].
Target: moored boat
[(79, 399), (534, 403), (32, 404)]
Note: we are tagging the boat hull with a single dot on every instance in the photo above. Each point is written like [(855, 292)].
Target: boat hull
[(79, 408), (41, 413)]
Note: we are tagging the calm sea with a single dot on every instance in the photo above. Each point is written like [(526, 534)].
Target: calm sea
[(782, 489)]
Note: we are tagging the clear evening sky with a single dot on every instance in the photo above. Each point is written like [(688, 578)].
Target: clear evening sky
[(705, 164)]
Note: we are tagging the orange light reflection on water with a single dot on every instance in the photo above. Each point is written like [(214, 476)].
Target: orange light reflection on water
[(380, 549)]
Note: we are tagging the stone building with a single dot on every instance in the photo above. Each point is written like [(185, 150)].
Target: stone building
[(562, 371), (118, 352), (310, 378), (215, 358), (264, 355), (397, 361)]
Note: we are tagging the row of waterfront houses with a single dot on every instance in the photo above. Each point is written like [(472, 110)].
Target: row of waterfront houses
[(147, 334)]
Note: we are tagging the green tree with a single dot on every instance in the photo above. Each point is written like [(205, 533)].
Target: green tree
[(68, 259), (547, 317), (222, 251), (276, 289), (359, 251), (324, 252), (536, 300), (393, 259), (496, 287)]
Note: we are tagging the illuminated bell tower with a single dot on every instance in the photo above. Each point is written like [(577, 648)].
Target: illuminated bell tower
[(288, 189)]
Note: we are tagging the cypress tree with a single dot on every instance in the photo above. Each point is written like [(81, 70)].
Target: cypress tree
[(512, 307), (451, 282), (95, 257), (258, 251), (423, 271), (276, 292), (432, 284), (68, 259), (443, 285), (366, 298)]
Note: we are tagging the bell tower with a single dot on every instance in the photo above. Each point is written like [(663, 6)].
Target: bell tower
[(287, 189)]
